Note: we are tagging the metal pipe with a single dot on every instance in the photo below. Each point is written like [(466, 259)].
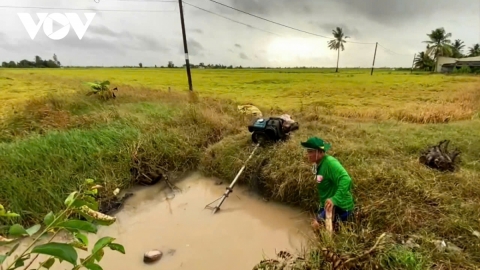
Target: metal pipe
[(230, 188)]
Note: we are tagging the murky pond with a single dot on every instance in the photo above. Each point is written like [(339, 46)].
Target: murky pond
[(191, 237)]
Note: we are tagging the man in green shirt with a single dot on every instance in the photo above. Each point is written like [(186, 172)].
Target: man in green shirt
[(333, 182)]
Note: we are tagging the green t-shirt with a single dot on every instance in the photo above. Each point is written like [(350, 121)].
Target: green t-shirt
[(334, 183)]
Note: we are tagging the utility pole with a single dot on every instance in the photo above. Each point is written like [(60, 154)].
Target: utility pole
[(413, 62), (185, 46), (374, 55)]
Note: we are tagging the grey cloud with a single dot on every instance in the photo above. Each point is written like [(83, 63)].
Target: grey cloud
[(127, 39), (89, 44), (194, 48), (263, 7), (328, 27), (199, 31), (243, 56), (393, 12), (256, 6)]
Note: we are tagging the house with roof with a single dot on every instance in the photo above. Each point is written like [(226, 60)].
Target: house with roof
[(449, 64)]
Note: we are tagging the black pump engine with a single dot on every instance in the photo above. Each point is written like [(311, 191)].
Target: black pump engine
[(271, 129)]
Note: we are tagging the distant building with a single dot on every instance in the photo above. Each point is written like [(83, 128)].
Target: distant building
[(448, 64)]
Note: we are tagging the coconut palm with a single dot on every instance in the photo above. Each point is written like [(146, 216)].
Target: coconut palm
[(423, 61), (337, 42), (474, 50), (457, 48), (439, 44)]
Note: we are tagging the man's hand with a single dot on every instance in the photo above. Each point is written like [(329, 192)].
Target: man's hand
[(328, 205)]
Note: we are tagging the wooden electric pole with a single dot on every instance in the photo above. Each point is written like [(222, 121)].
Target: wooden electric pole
[(374, 55), (185, 46), (413, 63)]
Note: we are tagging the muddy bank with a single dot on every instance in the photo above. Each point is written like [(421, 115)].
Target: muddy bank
[(237, 237)]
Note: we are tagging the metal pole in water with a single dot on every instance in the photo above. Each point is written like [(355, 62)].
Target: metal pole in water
[(230, 188)]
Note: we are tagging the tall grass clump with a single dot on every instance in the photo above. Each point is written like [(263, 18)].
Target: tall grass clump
[(147, 135)]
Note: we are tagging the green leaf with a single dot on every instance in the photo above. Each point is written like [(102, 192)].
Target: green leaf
[(19, 262), (17, 230), (117, 247), (78, 225), (99, 255), (59, 250), (89, 181), (91, 192), (70, 199), (102, 242), (93, 266), (87, 201), (9, 214), (99, 218), (79, 245), (49, 218), (48, 263), (2, 258), (82, 238), (34, 229)]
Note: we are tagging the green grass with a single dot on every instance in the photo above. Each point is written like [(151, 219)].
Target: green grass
[(377, 125)]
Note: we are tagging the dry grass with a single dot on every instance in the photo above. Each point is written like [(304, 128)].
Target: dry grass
[(377, 126), (352, 93)]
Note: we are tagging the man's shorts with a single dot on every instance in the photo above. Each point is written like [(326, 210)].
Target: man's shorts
[(339, 214)]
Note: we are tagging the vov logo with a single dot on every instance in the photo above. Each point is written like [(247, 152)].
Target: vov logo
[(66, 20)]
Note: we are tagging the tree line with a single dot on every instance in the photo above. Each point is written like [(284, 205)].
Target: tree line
[(38, 63), (440, 44)]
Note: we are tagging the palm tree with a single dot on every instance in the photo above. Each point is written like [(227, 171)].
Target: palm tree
[(457, 47), (474, 50), (423, 61), (337, 42), (439, 44)]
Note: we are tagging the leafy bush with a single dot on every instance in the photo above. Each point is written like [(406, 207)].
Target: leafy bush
[(78, 203), (102, 89), (463, 70)]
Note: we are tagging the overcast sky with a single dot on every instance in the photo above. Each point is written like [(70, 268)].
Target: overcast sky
[(154, 38)]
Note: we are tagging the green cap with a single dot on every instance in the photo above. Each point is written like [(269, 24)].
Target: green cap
[(316, 143)]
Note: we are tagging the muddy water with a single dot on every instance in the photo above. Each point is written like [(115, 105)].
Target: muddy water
[(191, 237)]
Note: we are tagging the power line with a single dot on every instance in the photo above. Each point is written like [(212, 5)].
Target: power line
[(293, 28), (91, 9), (390, 51), (230, 19)]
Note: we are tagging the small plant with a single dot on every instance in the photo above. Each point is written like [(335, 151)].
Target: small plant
[(102, 89), (78, 203)]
